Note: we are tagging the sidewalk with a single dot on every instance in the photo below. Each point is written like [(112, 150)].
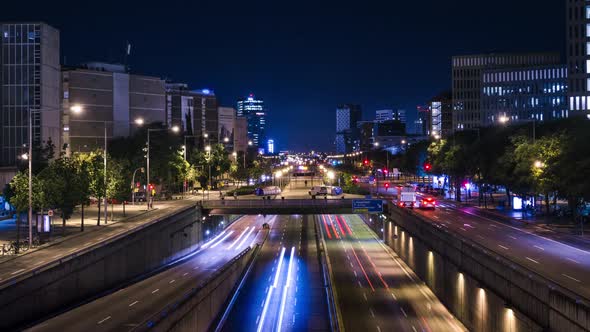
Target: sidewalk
[(73, 225), (20, 266)]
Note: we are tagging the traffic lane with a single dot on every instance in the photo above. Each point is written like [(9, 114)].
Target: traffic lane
[(254, 294), (288, 295), (134, 304), (563, 264), (396, 290)]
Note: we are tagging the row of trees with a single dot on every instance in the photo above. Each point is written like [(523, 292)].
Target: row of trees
[(554, 164), (65, 182)]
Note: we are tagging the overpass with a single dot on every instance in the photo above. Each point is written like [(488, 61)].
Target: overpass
[(278, 206)]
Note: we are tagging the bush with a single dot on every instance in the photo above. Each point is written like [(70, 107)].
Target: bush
[(247, 190)]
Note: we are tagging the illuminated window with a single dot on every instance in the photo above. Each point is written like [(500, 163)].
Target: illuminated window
[(588, 12), (587, 30)]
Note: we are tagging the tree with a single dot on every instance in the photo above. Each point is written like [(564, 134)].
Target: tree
[(94, 168), (19, 186), (63, 186), (117, 181)]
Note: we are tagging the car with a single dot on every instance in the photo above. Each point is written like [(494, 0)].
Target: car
[(318, 190), (428, 203)]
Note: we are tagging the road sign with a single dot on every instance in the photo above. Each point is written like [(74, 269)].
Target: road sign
[(367, 206)]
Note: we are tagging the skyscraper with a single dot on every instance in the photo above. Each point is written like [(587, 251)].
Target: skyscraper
[(227, 122), (29, 82), (347, 131), (254, 111), (578, 55), (271, 146)]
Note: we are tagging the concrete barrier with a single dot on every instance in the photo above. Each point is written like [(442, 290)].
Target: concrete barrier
[(105, 266), (200, 307), (486, 291)]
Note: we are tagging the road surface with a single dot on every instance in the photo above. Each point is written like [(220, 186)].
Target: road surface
[(130, 306), (561, 263), (284, 290), (376, 291)]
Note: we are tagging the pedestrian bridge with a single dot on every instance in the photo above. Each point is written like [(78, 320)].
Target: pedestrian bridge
[(278, 206)]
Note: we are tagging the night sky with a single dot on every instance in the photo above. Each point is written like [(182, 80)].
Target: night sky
[(303, 58)]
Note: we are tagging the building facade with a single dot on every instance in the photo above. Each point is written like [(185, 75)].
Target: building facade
[(29, 82), (520, 94), (241, 134), (578, 55), (441, 115), (110, 100), (467, 86), (254, 111), (226, 124), (347, 133), (179, 107)]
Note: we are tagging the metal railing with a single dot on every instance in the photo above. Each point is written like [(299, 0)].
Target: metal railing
[(276, 203)]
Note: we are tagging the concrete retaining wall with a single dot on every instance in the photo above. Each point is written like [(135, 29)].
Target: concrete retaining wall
[(81, 276), (201, 306), (485, 291)]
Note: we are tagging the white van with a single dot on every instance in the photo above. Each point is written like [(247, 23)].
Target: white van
[(319, 190)]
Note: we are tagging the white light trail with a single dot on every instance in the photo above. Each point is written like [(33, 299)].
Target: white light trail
[(223, 239), (285, 289), (238, 239)]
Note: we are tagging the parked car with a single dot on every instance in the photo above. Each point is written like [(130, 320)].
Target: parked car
[(318, 190)]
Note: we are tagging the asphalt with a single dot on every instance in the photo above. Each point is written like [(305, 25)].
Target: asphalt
[(126, 308), (376, 291), (283, 294), (563, 264)]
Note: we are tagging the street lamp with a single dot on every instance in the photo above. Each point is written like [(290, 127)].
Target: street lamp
[(78, 109), (226, 139), (250, 143), (208, 149), (174, 129), (539, 164)]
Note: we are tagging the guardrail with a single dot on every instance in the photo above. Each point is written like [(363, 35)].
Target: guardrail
[(552, 285), (275, 203)]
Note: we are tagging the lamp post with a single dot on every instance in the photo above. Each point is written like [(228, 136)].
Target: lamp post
[(174, 129), (208, 149), (77, 109), (30, 180), (185, 155)]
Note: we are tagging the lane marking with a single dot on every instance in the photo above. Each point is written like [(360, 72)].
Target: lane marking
[(104, 320), (512, 237), (134, 303), (503, 247), (573, 260), (540, 248), (172, 281), (372, 313), (403, 312), (17, 271), (570, 277), (155, 291), (532, 260)]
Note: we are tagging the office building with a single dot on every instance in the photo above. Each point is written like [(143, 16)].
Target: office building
[(29, 82), (521, 94), (195, 111), (366, 134), (578, 55), (441, 115), (254, 111), (241, 134), (388, 115), (467, 87), (108, 97), (422, 121), (270, 146), (226, 124), (347, 133)]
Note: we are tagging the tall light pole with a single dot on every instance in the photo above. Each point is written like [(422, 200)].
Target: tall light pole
[(77, 109), (174, 129), (208, 149), (185, 154), (30, 179)]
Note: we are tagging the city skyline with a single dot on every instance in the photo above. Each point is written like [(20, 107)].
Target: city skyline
[(326, 59)]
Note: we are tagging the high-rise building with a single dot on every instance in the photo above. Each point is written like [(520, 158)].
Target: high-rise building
[(441, 114), (347, 132), (467, 82), (578, 55), (254, 111), (241, 134), (388, 115), (521, 94), (206, 117), (29, 82), (179, 107), (109, 97), (227, 122), (271, 146), (383, 115)]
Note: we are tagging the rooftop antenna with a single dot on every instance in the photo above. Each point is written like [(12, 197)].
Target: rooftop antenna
[(127, 54)]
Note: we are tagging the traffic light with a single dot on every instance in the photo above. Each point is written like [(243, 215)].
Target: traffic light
[(386, 186), (151, 187), (366, 162), (427, 167)]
